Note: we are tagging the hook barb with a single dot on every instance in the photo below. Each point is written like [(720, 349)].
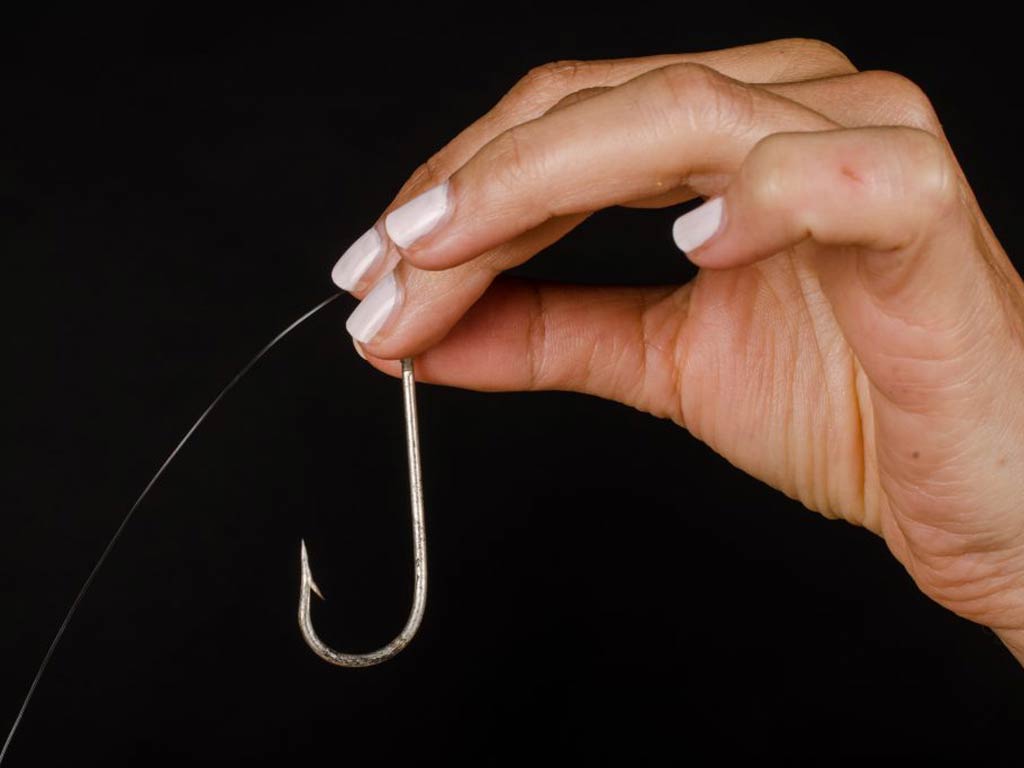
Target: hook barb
[(307, 575), (419, 545)]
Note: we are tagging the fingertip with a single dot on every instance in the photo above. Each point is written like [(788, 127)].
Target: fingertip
[(382, 364), (390, 367)]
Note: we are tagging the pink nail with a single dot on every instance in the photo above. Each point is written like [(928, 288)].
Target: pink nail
[(408, 223), (374, 310), (696, 227)]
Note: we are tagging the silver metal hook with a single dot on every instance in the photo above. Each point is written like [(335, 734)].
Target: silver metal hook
[(419, 548)]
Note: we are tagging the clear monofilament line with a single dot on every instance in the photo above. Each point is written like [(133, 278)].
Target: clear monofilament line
[(127, 518)]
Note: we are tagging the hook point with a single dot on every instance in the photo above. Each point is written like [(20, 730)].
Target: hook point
[(307, 574)]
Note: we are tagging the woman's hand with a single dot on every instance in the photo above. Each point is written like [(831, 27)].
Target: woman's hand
[(855, 336)]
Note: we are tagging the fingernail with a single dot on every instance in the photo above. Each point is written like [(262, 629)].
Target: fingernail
[(408, 223), (696, 227), (357, 260), (373, 311)]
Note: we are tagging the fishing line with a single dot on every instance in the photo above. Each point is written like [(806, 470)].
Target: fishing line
[(127, 518)]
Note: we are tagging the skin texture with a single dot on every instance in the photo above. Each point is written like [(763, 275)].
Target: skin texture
[(854, 337)]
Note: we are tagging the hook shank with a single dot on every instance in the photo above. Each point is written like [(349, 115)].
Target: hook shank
[(419, 545)]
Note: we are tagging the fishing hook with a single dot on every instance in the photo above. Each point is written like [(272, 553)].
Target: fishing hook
[(419, 551)]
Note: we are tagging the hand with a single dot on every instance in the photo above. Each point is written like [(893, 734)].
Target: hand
[(855, 335)]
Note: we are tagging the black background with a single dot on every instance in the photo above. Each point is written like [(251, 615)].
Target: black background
[(174, 188)]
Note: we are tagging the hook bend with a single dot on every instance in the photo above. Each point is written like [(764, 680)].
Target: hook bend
[(419, 545)]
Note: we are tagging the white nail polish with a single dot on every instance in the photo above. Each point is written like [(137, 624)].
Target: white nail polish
[(373, 311), (408, 223), (694, 228), (357, 260)]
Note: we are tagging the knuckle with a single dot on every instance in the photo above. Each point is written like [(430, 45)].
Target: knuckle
[(907, 102), (823, 52), (553, 77), (429, 174), (437, 168), (541, 87), (698, 91), (515, 161), (576, 97), (687, 82)]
